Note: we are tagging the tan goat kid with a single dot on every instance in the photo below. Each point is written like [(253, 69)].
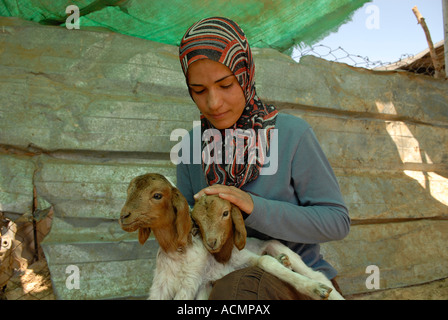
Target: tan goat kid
[(184, 267), (224, 235)]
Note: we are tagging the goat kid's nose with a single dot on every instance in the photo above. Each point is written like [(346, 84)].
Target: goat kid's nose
[(125, 215), (211, 243)]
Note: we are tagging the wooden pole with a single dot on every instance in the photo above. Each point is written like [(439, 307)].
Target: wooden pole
[(445, 24), (432, 51)]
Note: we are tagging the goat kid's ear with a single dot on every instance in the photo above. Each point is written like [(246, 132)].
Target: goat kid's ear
[(240, 233), (143, 235), (183, 219)]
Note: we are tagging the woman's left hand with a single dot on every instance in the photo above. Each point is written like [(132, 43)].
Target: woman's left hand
[(238, 197)]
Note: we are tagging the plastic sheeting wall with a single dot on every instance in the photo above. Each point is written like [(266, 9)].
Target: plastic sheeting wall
[(278, 24)]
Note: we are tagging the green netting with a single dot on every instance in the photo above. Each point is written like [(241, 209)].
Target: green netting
[(278, 24)]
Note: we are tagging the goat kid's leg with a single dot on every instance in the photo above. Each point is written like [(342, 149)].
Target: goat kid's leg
[(305, 285), (284, 260), (271, 265), (277, 249)]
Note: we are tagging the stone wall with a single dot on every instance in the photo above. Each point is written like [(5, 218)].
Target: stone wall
[(83, 111)]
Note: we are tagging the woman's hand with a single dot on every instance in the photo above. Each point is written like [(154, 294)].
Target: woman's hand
[(236, 196)]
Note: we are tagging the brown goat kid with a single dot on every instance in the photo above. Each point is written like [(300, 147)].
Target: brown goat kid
[(153, 203), (224, 235), (184, 268)]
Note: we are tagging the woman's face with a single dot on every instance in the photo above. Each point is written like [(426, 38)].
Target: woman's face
[(216, 92)]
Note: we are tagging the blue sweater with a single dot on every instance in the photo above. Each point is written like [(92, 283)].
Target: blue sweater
[(300, 205)]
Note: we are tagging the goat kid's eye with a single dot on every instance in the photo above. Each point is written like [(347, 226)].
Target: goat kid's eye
[(225, 214), (157, 196)]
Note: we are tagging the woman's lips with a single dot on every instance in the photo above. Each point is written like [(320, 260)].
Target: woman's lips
[(218, 116)]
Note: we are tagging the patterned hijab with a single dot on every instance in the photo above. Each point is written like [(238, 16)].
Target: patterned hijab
[(222, 40)]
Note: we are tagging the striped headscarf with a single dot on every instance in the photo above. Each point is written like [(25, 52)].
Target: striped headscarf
[(222, 40)]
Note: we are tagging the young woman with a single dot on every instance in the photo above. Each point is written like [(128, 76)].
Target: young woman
[(298, 202)]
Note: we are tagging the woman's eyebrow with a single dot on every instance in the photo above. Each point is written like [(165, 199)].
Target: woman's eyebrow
[(201, 85), (224, 78)]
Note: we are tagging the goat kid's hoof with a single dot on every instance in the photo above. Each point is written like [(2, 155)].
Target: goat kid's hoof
[(323, 291), (284, 260)]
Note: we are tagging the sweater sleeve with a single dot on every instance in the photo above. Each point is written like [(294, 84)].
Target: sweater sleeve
[(319, 214)]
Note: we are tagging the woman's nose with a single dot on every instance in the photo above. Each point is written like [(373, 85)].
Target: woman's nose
[(214, 101)]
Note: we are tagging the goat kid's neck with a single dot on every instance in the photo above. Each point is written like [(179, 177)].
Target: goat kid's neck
[(225, 253), (168, 239)]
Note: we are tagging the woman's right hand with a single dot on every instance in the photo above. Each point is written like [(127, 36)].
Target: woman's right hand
[(238, 197)]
